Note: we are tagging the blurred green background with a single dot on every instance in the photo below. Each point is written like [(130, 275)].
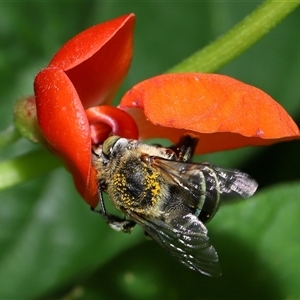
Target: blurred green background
[(53, 247)]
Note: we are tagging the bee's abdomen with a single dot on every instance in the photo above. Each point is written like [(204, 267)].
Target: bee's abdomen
[(209, 193)]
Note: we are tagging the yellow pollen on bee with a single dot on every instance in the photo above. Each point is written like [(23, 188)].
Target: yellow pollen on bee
[(119, 179), (120, 183), (150, 183), (153, 185)]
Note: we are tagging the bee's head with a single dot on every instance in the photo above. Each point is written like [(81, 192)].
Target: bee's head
[(111, 146)]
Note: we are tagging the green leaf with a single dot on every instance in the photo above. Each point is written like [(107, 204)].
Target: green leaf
[(50, 238)]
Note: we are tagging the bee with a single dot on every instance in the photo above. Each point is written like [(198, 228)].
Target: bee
[(165, 193)]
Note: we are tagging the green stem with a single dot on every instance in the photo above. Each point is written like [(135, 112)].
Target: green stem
[(20, 169), (238, 39), (9, 136)]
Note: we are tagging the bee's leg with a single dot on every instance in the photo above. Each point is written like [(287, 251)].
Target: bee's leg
[(119, 224), (114, 222), (185, 147)]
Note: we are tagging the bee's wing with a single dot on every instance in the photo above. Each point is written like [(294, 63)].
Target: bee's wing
[(207, 180), (233, 182), (186, 239)]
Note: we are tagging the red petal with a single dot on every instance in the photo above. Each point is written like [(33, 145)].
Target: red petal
[(119, 123), (225, 113), (97, 60), (64, 124)]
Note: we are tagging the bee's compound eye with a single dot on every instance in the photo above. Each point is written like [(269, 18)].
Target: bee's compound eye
[(109, 144)]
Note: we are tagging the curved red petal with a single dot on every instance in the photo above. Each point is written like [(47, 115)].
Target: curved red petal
[(64, 124), (225, 113), (118, 122), (97, 60)]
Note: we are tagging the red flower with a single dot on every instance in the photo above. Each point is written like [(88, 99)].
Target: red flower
[(87, 72)]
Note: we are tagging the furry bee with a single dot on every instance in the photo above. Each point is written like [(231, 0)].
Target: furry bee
[(170, 197)]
